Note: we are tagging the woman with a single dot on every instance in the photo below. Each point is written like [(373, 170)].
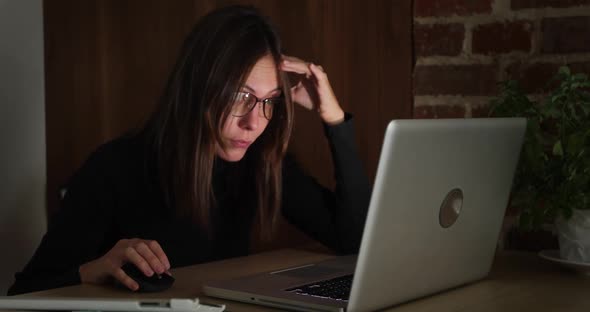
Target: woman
[(207, 172)]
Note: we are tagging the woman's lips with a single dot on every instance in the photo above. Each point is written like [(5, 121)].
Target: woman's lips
[(240, 143)]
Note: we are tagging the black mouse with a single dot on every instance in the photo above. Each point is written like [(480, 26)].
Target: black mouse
[(154, 283)]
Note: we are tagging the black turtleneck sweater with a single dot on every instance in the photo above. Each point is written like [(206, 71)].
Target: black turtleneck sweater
[(112, 196)]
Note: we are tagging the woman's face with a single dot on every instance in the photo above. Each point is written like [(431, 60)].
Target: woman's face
[(240, 132)]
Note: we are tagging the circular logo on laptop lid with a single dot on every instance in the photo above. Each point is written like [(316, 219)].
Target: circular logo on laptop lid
[(451, 208)]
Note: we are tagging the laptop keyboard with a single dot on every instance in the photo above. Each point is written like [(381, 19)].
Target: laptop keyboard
[(337, 288)]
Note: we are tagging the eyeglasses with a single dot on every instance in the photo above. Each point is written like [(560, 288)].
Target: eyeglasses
[(244, 103)]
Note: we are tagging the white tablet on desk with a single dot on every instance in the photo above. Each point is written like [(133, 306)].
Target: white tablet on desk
[(106, 304)]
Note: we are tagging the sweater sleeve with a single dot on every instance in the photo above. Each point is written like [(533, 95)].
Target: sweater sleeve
[(335, 218), (76, 231)]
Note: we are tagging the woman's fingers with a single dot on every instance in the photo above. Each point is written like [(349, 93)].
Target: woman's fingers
[(329, 109), (320, 75), (308, 69), (159, 252), (301, 96), (150, 257), (147, 255), (318, 70), (324, 86), (138, 260), (290, 58), (307, 92), (295, 65), (124, 279)]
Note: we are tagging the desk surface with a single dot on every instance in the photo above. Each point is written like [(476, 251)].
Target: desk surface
[(518, 282)]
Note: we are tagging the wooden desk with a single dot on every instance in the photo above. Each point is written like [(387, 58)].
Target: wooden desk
[(518, 282)]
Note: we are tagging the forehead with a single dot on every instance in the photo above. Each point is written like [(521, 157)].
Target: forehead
[(263, 77)]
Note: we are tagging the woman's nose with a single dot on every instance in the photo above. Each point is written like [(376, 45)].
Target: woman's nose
[(251, 120)]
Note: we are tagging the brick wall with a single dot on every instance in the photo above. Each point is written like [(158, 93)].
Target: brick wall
[(464, 47)]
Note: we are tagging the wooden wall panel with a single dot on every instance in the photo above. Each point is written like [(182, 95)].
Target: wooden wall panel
[(107, 61), (73, 86)]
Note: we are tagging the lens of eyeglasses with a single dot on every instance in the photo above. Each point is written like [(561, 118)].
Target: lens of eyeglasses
[(268, 106), (244, 102)]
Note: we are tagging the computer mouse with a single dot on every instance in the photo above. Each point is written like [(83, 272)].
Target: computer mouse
[(154, 283)]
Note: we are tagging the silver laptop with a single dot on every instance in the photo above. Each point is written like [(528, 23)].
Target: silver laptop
[(436, 210)]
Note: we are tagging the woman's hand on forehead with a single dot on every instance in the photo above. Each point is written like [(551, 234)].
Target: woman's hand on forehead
[(313, 91)]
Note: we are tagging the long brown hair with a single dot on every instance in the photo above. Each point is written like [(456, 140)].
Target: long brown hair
[(214, 62)]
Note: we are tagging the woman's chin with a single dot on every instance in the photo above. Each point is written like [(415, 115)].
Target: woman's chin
[(232, 154)]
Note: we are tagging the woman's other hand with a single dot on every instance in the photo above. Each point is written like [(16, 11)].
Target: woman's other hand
[(313, 91), (147, 255)]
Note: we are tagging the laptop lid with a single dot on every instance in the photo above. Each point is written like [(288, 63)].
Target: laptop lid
[(436, 210), (437, 207)]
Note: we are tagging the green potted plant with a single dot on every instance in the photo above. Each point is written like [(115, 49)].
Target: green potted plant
[(552, 181)]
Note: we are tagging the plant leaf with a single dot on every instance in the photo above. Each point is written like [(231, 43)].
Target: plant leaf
[(564, 70), (558, 149)]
